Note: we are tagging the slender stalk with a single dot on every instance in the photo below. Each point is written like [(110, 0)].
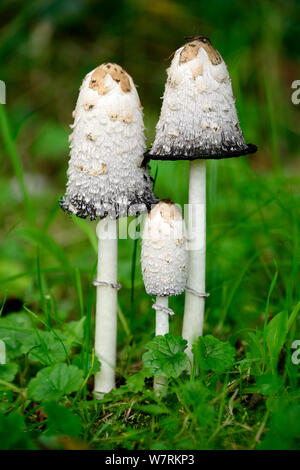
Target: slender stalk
[(161, 328), (162, 317), (194, 304), (106, 306)]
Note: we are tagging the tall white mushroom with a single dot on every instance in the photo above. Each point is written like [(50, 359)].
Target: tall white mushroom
[(106, 179), (198, 121), (164, 262)]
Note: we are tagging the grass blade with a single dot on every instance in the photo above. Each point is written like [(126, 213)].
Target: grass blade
[(16, 162)]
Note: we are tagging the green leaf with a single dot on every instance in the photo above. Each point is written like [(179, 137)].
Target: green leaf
[(8, 371), (166, 356), (12, 433), (136, 382), (268, 384), (51, 383), (276, 334), (61, 420), (212, 354), (254, 354), (6, 399), (92, 367), (195, 395), (74, 332), (17, 332), (48, 348), (284, 428)]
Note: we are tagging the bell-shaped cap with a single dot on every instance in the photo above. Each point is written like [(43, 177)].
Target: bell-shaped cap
[(198, 116), (106, 175), (164, 255)]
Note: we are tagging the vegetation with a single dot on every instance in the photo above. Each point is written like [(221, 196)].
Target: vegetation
[(244, 389)]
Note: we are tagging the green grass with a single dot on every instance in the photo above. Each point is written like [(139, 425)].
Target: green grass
[(249, 397)]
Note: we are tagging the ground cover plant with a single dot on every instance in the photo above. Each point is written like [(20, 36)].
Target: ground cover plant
[(243, 392)]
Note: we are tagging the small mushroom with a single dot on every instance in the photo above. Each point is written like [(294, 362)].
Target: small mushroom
[(164, 261), (163, 255)]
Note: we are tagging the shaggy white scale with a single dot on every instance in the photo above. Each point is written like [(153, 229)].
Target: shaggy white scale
[(105, 174), (198, 117), (164, 256)]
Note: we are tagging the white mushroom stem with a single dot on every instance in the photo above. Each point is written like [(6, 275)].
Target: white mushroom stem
[(162, 317), (106, 306), (194, 304), (161, 328)]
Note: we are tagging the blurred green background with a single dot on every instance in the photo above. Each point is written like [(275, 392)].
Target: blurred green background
[(46, 48)]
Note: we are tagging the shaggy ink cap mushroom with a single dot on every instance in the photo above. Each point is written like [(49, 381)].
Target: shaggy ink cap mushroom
[(106, 175), (198, 116), (164, 256)]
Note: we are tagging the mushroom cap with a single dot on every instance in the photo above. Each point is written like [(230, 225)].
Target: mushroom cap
[(164, 255), (106, 175), (198, 117)]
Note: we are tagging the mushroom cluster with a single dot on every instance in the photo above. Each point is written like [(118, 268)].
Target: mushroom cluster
[(198, 121), (108, 178)]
